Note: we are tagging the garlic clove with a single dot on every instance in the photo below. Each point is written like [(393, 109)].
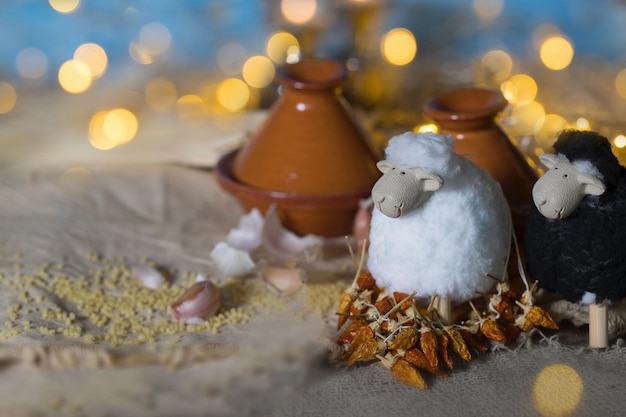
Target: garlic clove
[(284, 245), (285, 280), (200, 301), (230, 261), (150, 277), (248, 234)]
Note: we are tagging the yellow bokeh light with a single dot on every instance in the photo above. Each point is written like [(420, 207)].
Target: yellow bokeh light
[(488, 9), (298, 11), (191, 107), (582, 124), (556, 53), (161, 94), (281, 46), (557, 390), (31, 63), (519, 89), (74, 76), (94, 57), (399, 46), (426, 128), (524, 118), (139, 53), (155, 38), (258, 71), (8, 97), (619, 141), (547, 129), (230, 58), (620, 83), (108, 129), (65, 6), (233, 94), (497, 65)]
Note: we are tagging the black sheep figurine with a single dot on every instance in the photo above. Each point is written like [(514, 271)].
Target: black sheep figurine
[(575, 235)]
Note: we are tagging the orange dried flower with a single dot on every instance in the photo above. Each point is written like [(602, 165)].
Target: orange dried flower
[(443, 342), (428, 344), (417, 358), (366, 350), (492, 330), (399, 296), (383, 306), (345, 302), (472, 341), (459, 345), (539, 317), (406, 373), (366, 281), (351, 331)]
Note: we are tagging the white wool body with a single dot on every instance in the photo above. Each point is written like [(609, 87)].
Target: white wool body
[(448, 245)]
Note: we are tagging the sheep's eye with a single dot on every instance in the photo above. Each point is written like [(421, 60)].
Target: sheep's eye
[(556, 167), (402, 172), (564, 175)]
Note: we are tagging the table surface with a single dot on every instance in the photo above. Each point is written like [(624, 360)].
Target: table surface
[(62, 200)]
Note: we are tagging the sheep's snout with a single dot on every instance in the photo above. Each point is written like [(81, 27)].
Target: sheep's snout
[(386, 204)]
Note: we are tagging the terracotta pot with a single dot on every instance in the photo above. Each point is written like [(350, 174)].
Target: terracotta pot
[(309, 143), (469, 116), (323, 215)]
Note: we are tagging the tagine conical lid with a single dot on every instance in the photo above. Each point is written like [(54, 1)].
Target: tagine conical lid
[(310, 143)]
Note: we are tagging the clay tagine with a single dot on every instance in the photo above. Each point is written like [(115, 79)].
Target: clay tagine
[(310, 156)]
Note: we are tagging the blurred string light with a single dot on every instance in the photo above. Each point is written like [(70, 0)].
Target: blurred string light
[(548, 127), (191, 108), (230, 58), (557, 390), (94, 57), (524, 117), (74, 76), (620, 83), (283, 47), (398, 46), (233, 94), (8, 97), (619, 141), (298, 11), (161, 94), (154, 39), (519, 89), (258, 71), (488, 9), (108, 129), (426, 128), (65, 6), (495, 66), (556, 53), (582, 124), (31, 63)]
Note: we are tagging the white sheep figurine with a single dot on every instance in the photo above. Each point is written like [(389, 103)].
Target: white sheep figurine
[(440, 223)]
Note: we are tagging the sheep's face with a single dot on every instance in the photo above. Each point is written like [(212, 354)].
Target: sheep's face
[(401, 190), (561, 189)]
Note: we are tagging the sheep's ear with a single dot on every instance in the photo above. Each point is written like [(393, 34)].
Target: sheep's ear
[(384, 166), (430, 181), (549, 160), (591, 185)]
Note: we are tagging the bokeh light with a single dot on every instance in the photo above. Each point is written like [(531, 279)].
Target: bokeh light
[(230, 58), (191, 108), (582, 124), (547, 129), (282, 47), (108, 129), (65, 6), (496, 65), (74, 76), (398, 46), (426, 128), (233, 94), (139, 54), (155, 38), (31, 63), (557, 390), (620, 83), (161, 94), (524, 118), (258, 71), (556, 53), (519, 89), (298, 11), (8, 97), (94, 57), (488, 9), (619, 141)]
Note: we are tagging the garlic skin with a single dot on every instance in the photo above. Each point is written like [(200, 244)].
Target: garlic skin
[(284, 280), (200, 301), (150, 277), (284, 245), (232, 262), (248, 234)]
